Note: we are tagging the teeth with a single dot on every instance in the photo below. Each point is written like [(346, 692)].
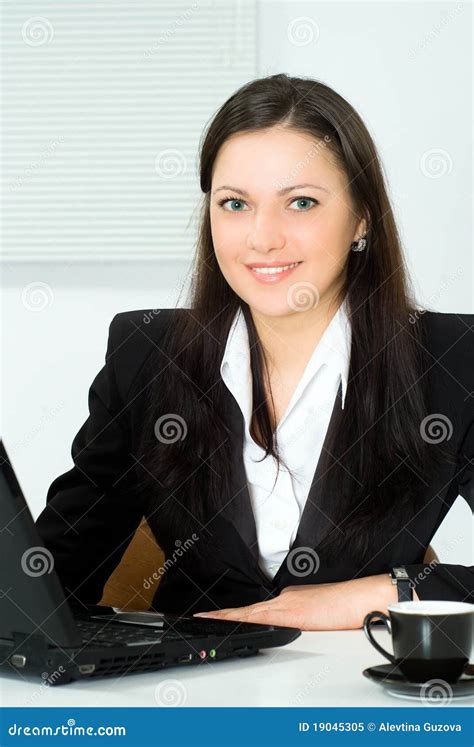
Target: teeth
[(273, 270)]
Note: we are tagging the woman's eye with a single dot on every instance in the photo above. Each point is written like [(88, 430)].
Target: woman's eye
[(233, 201), (306, 203), (304, 200)]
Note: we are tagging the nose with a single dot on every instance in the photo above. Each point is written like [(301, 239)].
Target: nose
[(266, 235)]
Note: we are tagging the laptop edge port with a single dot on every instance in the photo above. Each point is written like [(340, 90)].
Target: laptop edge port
[(86, 668)]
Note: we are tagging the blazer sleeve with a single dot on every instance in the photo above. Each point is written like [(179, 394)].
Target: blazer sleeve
[(444, 580), (91, 513)]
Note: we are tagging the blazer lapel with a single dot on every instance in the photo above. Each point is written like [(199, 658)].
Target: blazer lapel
[(316, 520), (238, 509)]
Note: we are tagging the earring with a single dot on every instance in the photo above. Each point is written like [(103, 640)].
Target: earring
[(359, 246)]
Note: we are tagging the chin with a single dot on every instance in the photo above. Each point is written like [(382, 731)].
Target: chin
[(276, 309)]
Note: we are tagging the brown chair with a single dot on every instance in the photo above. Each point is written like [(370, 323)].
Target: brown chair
[(132, 584), (430, 555)]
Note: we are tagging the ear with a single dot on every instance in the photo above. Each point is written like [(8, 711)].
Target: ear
[(361, 229)]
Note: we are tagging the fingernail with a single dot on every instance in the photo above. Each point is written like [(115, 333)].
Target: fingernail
[(202, 614)]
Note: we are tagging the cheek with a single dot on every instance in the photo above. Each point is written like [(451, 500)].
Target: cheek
[(325, 245), (227, 257), (322, 238), (227, 246)]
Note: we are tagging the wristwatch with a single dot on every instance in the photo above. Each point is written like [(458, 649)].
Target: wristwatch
[(400, 577)]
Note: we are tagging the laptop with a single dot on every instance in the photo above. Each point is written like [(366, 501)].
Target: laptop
[(45, 635)]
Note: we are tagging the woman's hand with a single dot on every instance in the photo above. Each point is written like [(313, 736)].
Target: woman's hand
[(334, 606)]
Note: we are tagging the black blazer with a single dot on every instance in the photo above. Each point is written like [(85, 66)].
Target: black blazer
[(90, 516)]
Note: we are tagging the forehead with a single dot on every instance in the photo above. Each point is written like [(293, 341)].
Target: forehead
[(266, 160)]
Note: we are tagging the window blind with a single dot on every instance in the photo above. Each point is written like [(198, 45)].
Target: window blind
[(104, 106)]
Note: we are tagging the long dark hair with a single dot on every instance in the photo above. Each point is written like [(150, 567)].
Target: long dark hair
[(377, 435)]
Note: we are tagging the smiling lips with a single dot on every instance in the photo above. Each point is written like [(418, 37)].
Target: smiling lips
[(271, 273)]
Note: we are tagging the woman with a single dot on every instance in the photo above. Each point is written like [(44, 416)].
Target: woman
[(291, 438)]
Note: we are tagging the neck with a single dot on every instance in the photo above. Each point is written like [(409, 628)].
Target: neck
[(288, 341)]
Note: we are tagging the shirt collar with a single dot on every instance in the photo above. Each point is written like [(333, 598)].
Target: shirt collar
[(333, 349)]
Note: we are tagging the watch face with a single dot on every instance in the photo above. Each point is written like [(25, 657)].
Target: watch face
[(400, 573)]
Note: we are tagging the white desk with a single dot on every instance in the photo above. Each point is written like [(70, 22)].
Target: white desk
[(318, 669)]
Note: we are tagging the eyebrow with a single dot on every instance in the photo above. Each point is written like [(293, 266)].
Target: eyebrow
[(280, 191)]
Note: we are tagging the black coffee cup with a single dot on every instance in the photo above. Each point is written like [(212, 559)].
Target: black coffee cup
[(431, 638)]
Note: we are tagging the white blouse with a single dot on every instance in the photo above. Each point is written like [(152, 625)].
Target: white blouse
[(300, 432)]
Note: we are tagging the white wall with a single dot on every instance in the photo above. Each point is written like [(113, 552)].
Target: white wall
[(406, 68)]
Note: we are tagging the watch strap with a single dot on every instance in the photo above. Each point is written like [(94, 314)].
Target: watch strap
[(401, 578)]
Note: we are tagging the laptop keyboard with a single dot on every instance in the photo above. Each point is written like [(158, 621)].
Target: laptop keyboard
[(126, 634), (116, 635)]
